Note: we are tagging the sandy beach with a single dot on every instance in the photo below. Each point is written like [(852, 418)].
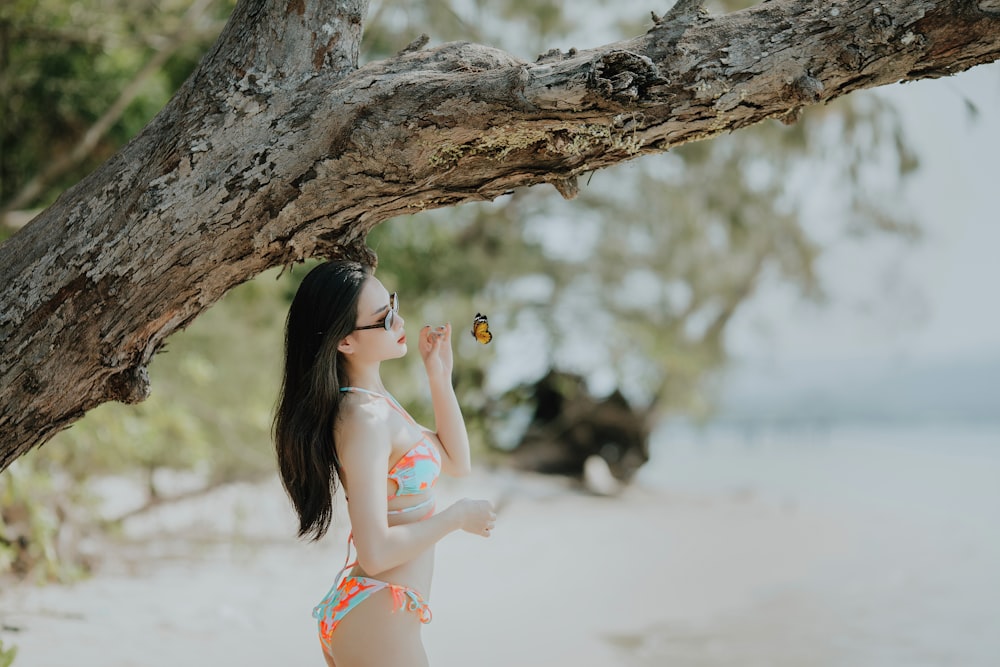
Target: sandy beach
[(730, 576)]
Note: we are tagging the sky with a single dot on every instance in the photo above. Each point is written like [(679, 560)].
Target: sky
[(895, 305)]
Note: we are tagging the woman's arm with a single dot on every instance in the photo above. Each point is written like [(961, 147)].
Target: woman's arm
[(435, 349), (364, 444)]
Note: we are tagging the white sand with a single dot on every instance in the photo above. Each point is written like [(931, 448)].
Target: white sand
[(648, 578)]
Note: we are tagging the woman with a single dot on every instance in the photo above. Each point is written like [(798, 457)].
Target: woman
[(337, 423)]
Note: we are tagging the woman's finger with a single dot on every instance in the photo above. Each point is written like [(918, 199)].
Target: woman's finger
[(426, 335)]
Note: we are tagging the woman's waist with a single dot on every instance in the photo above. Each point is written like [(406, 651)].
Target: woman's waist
[(415, 574)]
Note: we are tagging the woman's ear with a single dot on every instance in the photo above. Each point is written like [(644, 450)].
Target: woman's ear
[(346, 346)]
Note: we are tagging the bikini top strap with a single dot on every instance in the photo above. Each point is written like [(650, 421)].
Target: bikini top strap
[(392, 401)]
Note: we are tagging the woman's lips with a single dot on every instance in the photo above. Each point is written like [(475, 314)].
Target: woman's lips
[(402, 339)]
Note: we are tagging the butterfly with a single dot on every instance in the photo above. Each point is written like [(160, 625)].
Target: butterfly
[(481, 329)]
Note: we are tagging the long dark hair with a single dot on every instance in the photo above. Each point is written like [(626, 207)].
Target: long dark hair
[(323, 312)]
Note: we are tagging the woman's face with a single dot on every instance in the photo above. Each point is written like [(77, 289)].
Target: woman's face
[(375, 342)]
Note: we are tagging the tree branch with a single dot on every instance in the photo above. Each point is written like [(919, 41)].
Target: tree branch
[(278, 148)]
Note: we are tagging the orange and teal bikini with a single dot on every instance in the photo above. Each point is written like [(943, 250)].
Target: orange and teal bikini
[(414, 473)]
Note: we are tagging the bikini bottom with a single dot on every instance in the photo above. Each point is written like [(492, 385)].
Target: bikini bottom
[(352, 591)]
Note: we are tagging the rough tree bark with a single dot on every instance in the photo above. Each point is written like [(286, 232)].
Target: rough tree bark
[(279, 147)]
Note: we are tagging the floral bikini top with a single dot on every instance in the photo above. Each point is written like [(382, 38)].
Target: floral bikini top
[(418, 469)]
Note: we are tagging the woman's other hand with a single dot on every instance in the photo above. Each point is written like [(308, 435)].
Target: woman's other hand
[(435, 350), (475, 516)]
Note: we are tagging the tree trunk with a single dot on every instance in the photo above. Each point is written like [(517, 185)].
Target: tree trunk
[(279, 148)]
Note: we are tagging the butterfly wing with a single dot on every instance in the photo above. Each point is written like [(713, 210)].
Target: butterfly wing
[(481, 329)]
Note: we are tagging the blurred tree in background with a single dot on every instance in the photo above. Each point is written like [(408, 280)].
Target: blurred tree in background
[(79, 79), (630, 287)]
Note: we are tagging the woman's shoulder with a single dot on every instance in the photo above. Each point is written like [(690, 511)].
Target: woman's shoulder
[(362, 420), (363, 443)]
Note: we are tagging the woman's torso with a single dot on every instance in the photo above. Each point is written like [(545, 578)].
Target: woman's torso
[(416, 573), (405, 434)]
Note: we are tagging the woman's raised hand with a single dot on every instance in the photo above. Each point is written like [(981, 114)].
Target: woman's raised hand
[(435, 350), (475, 516)]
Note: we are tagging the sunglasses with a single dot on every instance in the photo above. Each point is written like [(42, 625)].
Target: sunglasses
[(390, 317)]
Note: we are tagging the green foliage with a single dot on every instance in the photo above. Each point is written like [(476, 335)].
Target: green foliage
[(35, 503), (7, 655), (63, 64), (634, 283)]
